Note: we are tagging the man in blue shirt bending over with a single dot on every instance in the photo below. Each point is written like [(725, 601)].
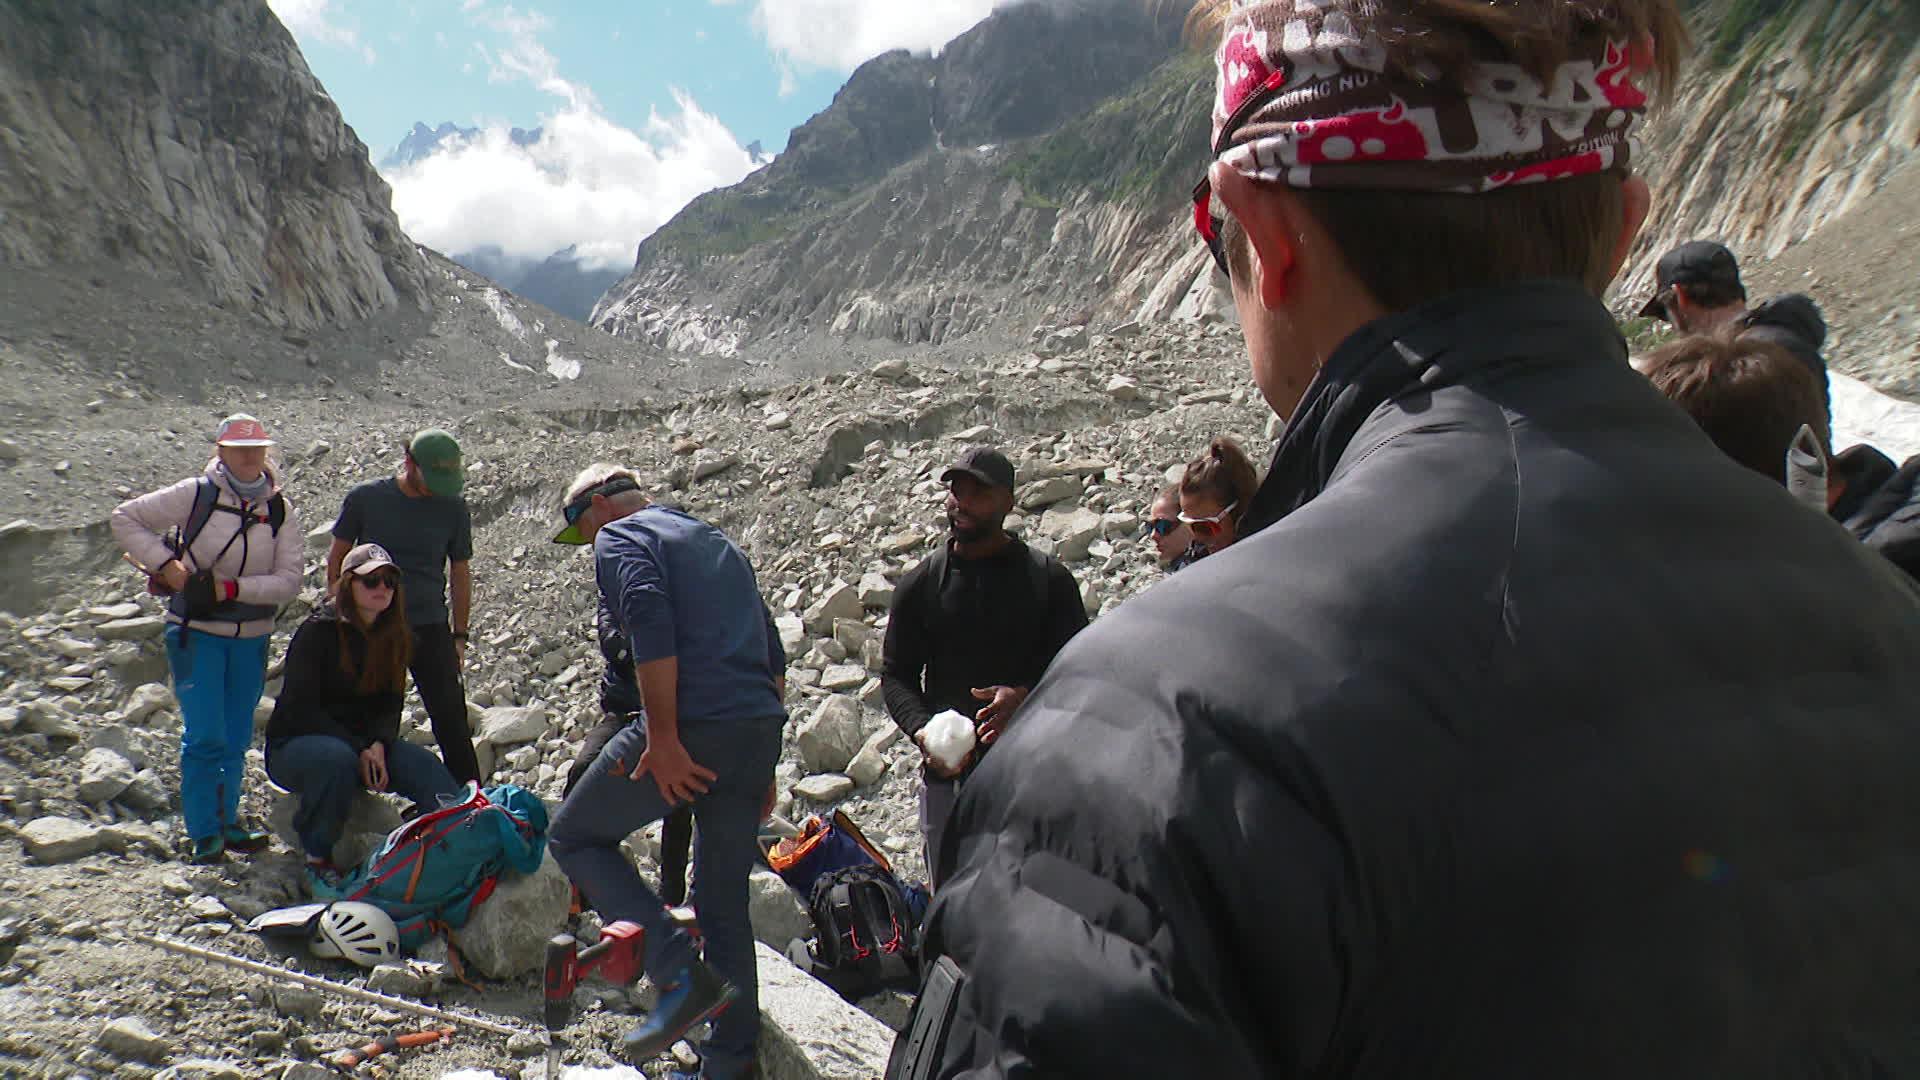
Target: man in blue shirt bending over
[(712, 678)]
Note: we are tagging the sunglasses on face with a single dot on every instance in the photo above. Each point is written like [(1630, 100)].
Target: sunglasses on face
[(1204, 219), (380, 580), (1160, 527), (584, 501), (1212, 523)]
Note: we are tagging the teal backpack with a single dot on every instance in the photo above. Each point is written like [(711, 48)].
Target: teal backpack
[(432, 871)]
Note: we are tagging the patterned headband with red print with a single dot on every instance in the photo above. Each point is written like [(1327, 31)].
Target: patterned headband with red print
[(1305, 101)]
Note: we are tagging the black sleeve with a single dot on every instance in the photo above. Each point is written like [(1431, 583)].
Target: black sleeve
[(1066, 615), (904, 655)]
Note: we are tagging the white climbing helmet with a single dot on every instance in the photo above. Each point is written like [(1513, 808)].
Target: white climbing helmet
[(358, 932)]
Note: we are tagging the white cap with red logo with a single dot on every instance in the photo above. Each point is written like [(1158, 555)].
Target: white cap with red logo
[(242, 430)]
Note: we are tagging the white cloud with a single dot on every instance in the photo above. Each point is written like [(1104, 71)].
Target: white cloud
[(588, 182), (316, 20), (839, 35)]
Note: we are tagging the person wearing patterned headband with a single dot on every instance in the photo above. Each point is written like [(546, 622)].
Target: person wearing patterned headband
[(1522, 732)]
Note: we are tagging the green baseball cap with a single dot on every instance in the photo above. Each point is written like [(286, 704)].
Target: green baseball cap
[(437, 454)]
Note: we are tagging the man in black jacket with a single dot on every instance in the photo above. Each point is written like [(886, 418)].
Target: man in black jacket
[(1755, 401), (972, 627), (1525, 734), (1700, 292)]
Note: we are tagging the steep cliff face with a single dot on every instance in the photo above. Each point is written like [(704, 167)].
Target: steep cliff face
[(1793, 113), (190, 142), (906, 210)]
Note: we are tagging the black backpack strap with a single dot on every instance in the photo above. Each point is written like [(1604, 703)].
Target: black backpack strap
[(206, 496), (276, 513), (1037, 574)]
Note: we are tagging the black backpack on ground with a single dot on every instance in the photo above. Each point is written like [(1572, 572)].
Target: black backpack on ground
[(865, 935)]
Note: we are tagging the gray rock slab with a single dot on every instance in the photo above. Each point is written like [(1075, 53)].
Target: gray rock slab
[(139, 628), (510, 725), (507, 935), (131, 1039), (104, 774), (58, 840), (825, 787), (829, 738), (809, 1033)]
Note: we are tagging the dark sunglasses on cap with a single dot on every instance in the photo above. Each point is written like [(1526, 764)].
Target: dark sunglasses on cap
[(1203, 217), (1160, 527), (608, 488)]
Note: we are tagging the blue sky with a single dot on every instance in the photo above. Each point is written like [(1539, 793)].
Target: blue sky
[(647, 102)]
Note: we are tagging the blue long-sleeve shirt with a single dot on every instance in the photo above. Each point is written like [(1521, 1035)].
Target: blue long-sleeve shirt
[(678, 587)]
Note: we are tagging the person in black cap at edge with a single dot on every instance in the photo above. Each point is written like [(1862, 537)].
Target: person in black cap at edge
[(972, 627), (1699, 292), (1523, 733)]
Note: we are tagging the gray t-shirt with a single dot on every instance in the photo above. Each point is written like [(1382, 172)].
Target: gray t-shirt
[(423, 535)]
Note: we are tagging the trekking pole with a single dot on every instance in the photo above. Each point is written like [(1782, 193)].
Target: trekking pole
[(317, 983)]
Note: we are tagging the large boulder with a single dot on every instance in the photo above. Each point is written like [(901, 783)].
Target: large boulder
[(104, 774), (840, 601), (829, 738), (808, 1032), (509, 725), (58, 840), (507, 934), (778, 915)]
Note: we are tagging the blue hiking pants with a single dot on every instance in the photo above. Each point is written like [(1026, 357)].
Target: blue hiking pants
[(605, 807), (217, 681)]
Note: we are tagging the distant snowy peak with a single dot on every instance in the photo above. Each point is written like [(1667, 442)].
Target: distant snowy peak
[(423, 142)]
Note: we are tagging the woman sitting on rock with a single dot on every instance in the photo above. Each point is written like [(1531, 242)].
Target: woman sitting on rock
[(335, 729), (224, 548)]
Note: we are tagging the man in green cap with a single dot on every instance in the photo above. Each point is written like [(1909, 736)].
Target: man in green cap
[(420, 518)]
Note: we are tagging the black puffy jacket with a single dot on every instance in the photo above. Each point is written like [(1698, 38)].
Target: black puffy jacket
[(1533, 737), (1881, 504)]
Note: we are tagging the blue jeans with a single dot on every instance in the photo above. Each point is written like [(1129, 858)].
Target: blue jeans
[(606, 807), (217, 681), (324, 770)]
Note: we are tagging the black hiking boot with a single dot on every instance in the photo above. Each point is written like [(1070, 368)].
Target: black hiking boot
[(698, 993)]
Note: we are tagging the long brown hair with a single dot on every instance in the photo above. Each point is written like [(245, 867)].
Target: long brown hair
[(389, 642)]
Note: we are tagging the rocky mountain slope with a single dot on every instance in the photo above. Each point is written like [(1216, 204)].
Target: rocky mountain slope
[(899, 213), (1794, 112), (190, 142)]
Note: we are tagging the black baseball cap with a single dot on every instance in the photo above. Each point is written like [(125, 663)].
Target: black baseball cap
[(1696, 262), (983, 463)]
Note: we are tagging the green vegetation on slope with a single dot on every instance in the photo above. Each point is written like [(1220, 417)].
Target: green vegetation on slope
[(1145, 146)]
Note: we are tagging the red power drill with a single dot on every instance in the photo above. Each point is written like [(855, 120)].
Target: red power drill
[(616, 958)]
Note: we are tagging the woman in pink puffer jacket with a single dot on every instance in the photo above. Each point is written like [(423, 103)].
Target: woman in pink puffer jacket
[(225, 588)]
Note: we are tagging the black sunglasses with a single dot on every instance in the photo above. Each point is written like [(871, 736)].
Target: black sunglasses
[(1203, 217), (579, 505), (383, 579)]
